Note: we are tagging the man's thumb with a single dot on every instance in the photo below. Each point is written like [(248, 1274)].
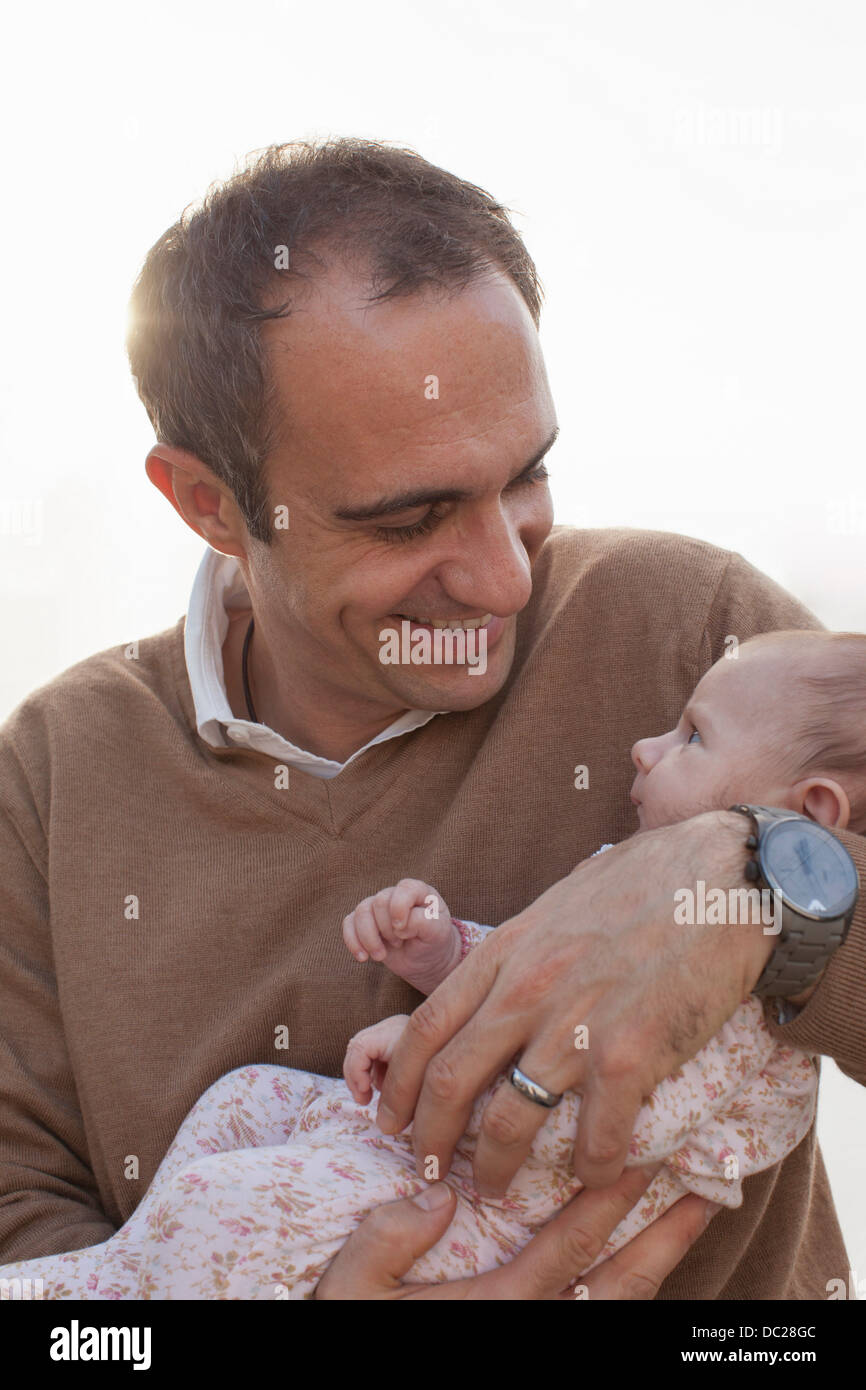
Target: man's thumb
[(433, 1198), (387, 1243)]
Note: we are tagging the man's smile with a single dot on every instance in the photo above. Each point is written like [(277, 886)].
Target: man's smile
[(466, 623), (491, 626)]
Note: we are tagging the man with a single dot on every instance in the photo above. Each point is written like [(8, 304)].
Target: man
[(339, 355)]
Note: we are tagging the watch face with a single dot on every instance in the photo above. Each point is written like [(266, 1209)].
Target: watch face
[(813, 871)]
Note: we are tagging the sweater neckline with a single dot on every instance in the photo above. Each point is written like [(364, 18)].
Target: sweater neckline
[(365, 791)]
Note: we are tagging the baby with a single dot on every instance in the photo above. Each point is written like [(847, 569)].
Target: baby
[(273, 1169)]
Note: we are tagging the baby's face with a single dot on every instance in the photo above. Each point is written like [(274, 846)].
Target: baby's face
[(719, 752)]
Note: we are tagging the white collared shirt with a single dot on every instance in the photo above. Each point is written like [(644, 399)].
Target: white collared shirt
[(218, 588)]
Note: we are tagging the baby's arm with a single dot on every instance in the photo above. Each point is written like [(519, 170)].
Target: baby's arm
[(409, 929)]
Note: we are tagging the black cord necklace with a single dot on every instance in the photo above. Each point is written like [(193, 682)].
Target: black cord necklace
[(251, 709)]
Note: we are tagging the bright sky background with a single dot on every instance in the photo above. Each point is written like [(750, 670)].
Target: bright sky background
[(690, 178)]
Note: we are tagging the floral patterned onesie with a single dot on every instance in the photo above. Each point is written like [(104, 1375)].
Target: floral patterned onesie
[(273, 1169)]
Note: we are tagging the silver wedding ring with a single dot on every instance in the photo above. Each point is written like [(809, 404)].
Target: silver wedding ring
[(531, 1089)]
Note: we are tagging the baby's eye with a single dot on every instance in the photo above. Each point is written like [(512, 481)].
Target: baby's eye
[(694, 735)]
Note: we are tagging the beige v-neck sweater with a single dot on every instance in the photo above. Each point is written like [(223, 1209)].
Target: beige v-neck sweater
[(168, 914)]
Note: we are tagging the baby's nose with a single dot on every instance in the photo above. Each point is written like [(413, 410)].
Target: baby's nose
[(638, 754), (645, 753)]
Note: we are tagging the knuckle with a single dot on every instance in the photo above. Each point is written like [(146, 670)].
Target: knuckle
[(615, 1061), (536, 1285), (636, 1286), (428, 1022), (622, 1059), (578, 1248), (602, 1150), (501, 1127), (528, 989), (442, 1079)]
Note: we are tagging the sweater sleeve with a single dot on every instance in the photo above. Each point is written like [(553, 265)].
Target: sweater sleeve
[(49, 1200), (832, 1023), (746, 603)]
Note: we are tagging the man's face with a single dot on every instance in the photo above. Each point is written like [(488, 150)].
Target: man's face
[(412, 475)]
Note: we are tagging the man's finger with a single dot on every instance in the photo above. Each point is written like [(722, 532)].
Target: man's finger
[(608, 1112), (385, 1246), (508, 1126), (457, 1075), (431, 1025), (561, 1251), (639, 1269), (511, 1120)]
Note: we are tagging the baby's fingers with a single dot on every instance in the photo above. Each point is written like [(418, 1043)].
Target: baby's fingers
[(350, 937), (410, 893), (383, 915), (367, 931), (356, 1072)]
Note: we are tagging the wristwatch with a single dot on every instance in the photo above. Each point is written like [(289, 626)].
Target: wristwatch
[(814, 879)]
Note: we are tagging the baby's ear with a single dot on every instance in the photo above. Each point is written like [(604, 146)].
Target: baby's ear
[(826, 802)]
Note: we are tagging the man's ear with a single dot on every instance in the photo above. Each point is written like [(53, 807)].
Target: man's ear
[(201, 499), (824, 801)]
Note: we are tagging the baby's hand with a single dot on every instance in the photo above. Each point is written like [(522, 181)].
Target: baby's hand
[(409, 929), (368, 1055)]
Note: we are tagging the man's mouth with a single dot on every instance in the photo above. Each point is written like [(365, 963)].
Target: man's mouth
[(467, 624)]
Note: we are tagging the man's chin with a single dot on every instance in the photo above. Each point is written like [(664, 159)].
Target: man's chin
[(452, 688), (461, 692)]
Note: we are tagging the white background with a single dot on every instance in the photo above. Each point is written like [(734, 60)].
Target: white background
[(689, 177)]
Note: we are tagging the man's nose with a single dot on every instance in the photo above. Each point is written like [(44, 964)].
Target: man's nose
[(492, 570)]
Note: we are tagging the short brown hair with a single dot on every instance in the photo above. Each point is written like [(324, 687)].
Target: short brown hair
[(208, 283)]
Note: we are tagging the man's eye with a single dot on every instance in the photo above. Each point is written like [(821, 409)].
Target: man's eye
[(408, 533), (694, 735), (539, 474)]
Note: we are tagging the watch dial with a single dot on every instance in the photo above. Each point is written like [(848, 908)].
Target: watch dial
[(813, 870)]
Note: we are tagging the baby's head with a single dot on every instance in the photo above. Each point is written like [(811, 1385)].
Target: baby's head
[(781, 723)]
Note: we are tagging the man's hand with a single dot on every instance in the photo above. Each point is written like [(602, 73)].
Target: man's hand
[(595, 988), (390, 1240)]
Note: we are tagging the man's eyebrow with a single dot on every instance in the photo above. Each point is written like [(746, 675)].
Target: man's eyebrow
[(426, 497)]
